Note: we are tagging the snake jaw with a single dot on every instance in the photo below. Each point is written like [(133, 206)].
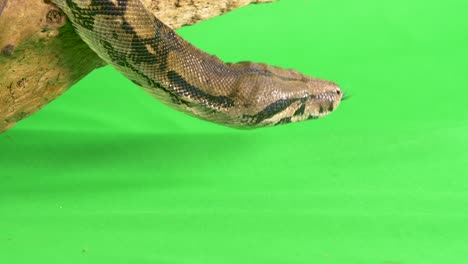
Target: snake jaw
[(310, 106), (323, 103)]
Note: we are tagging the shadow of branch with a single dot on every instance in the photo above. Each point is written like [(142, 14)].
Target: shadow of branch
[(42, 161)]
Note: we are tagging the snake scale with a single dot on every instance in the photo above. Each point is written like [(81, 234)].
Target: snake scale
[(241, 95)]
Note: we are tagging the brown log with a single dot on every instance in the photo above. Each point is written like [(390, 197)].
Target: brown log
[(41, 56)]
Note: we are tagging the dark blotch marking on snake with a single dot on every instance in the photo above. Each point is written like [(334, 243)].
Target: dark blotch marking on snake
[(321, 110), (84, 16), (115, 35), (271, 110), (284, 120), (300, 111), (182, 88), (116, 56)]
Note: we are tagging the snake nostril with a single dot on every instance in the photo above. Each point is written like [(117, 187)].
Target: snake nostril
[(338, 91)]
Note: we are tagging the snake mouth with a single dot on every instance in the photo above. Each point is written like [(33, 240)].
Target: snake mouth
[(324, 103)]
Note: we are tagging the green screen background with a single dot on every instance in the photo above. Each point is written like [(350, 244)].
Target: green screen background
[(106, 174)]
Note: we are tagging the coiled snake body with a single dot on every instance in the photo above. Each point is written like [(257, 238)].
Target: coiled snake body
[(242, 95)]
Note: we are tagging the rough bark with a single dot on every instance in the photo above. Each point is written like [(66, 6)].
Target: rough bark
[(41, 56)]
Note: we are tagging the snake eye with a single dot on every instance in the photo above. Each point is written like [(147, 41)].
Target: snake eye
[(338, 91)]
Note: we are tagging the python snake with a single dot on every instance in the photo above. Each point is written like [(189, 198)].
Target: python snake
[(242, 95)]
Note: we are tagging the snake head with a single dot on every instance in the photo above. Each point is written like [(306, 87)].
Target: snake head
[(277, 96)]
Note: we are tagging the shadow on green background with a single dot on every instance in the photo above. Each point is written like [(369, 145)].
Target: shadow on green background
[(106, 174)]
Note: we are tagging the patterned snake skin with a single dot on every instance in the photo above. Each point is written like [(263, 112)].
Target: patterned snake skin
[(242, 95)]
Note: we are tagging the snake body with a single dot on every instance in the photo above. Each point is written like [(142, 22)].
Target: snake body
[(242, 95)]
